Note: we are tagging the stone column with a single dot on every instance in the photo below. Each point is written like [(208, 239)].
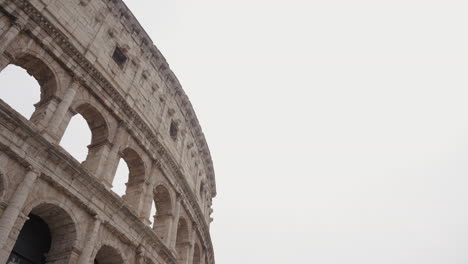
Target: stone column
[(85, 257), (13, 210), (135, 196), (149, 192), (61, 111), (191, 249), (171, 239), (43, 112), (147, 202), (110, 166), (10, 34)]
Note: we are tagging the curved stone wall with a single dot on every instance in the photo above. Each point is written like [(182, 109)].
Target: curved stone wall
[(94, 59)]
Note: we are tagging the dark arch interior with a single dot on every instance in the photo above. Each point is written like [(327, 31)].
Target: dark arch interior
[(202, 189), (162, 200), (196, 255), (48, 236), (181, 239), (108, 255), (33, 242)]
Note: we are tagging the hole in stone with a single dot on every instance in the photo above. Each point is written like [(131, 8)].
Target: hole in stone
[(121, 178), (152, 213), (119, 57), (19, 90), (174, 130), (77, 137)]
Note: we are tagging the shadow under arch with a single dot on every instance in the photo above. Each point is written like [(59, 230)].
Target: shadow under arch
[(196, 254), (108, 255), (52, 222), (182, 240), (3, 185), (163, 217)]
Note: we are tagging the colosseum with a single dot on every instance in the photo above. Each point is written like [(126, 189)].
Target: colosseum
[(93, 58)]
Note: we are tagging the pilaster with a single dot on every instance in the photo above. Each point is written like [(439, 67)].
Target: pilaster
[(13, 210), (85, 257), (60, 112)]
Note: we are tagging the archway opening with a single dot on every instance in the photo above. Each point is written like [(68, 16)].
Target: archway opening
[(86, 136), (121, 178), (108, 255), (19, 90), (14, 76), (182, 240), (163, 214), (76, 138), (33, 243), (130, 172), (132, 183), (152, 213), (48, 236)]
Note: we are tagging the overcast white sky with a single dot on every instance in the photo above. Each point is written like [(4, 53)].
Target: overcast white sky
[(338, 129)]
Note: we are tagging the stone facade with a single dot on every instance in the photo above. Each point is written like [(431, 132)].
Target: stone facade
[(94, 59)]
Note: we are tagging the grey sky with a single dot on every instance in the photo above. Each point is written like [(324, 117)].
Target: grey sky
[(338, 129)]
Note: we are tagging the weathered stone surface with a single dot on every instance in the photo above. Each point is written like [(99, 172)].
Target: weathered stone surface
[(93, 58)]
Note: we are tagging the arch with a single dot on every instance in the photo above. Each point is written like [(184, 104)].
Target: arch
[(61, 229), (182, 240), (135, 185), (196, 254), (98, 125), (108, 255), (163, 216), (136, 166), (47, 80), (38, 69), (96, 122), (15, 81)]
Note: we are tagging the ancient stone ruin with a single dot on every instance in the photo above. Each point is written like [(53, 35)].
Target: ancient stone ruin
[(93, 58)]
